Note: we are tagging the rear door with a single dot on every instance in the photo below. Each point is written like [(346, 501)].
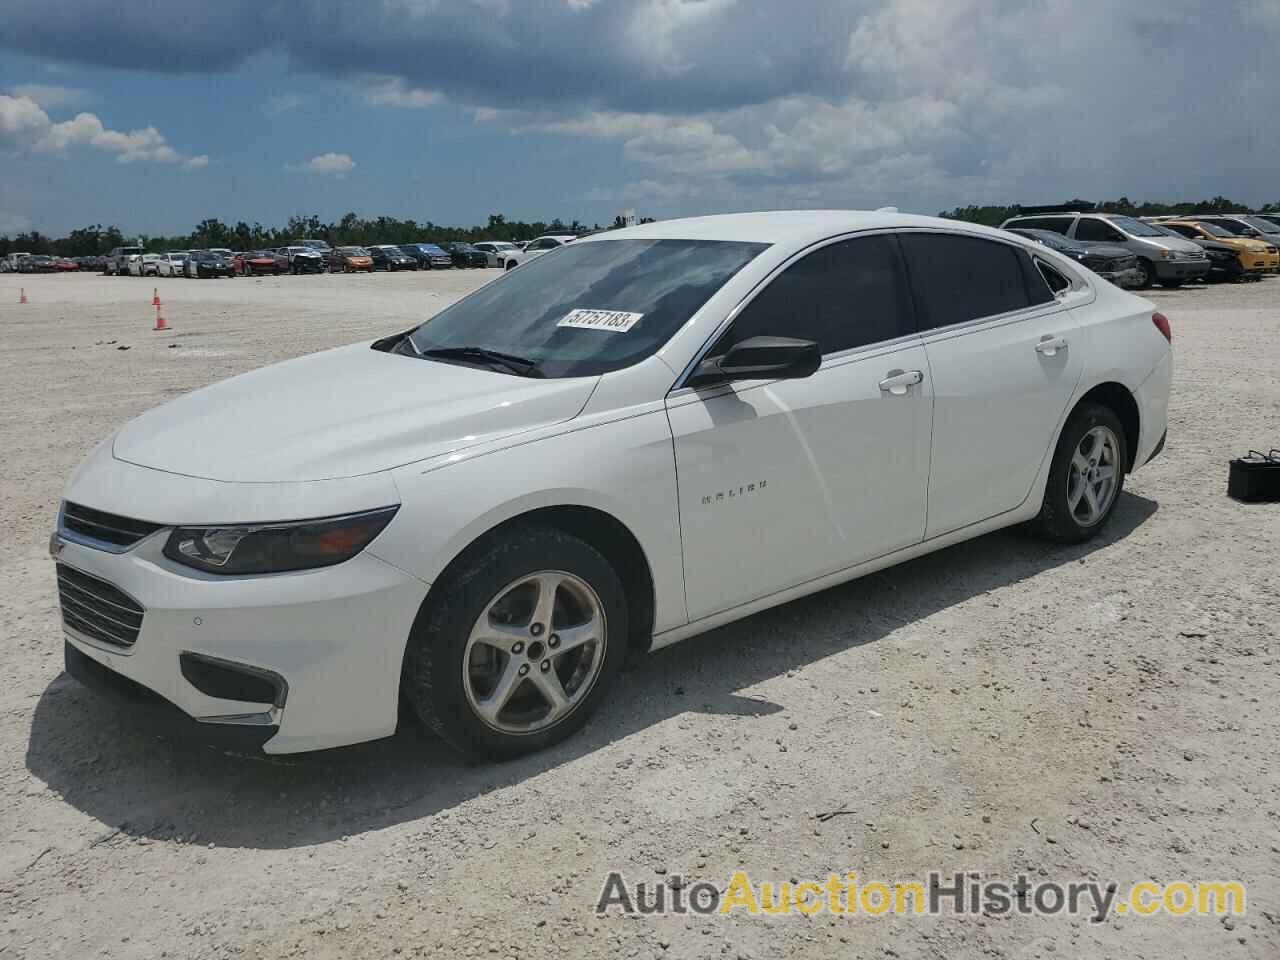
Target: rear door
[(1004, 362), (781, 482)]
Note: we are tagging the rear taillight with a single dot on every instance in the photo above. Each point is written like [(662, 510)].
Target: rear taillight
[(1162, 324)]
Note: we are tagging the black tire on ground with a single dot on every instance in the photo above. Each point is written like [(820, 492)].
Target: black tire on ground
[(511, 265), (1148, 274), (432, 674), (1056, 519)]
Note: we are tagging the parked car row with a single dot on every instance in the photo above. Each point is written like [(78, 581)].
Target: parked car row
[(316, 256), (1169, 251), (41, 263)]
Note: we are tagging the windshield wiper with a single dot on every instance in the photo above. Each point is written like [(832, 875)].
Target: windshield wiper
[(518, 365)]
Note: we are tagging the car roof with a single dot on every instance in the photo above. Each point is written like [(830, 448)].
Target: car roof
[(792, 227)]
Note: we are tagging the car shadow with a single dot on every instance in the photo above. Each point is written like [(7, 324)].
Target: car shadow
[(142, 785)]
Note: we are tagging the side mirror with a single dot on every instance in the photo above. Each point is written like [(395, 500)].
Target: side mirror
[(761, 358)]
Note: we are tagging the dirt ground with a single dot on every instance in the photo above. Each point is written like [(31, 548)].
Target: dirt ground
[(1105, 711)]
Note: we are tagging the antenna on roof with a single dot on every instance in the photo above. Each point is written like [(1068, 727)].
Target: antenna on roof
[(887, 210)]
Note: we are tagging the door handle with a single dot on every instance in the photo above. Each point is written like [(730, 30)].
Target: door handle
[(1049, 345), (898, 382)]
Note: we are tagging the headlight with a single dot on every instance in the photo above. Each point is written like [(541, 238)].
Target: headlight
[(276, 547)]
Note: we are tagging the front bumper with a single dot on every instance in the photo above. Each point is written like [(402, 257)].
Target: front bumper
[(1181, 269), (1128, 279), (334, 636), (148, 708)]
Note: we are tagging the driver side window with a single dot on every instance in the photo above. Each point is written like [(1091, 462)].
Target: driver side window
[(844, 295)]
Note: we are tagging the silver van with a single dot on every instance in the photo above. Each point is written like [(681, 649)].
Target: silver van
[(1163, 259)]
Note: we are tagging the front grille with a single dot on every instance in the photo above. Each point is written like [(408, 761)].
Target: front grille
[(108, 527), (98, 610)]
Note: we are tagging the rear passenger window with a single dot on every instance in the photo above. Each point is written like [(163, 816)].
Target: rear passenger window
[(845, 295), (956, 279)]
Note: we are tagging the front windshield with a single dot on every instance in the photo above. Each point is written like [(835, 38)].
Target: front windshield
[(1214, 229), (355, 251), (590, 308), (431, 248), (1135, 228), (1234, 227)]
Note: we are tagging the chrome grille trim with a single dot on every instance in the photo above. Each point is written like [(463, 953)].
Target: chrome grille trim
[(96, 609), (105, 531)]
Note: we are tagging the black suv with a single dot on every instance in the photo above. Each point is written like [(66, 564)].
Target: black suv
[(465, 255)]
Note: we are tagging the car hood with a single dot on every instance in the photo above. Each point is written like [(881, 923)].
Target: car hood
[(342, 413)]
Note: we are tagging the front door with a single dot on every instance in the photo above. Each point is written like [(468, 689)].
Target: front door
[(782, 482)]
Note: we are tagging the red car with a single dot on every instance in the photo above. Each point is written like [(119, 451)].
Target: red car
[(256, 264), (62, 264)]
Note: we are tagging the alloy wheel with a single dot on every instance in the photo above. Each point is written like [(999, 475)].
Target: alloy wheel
[(1092, 476), (535, 652)]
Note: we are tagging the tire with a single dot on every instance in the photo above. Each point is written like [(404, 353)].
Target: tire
[(511, 265), (1062, 519), (497, 575), (1148, 274)]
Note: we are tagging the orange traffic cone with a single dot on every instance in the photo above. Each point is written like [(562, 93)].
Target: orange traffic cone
[(22, 295), (161, 322), (155, 296)]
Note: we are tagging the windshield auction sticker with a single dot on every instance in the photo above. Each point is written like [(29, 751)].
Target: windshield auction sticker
[(615, 321)]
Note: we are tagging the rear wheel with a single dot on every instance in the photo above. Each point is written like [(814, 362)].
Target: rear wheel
[(519, 644), (1086, 476)]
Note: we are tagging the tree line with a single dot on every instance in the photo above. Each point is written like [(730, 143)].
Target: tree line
[(993, 216), (350, 230), (354, 230)]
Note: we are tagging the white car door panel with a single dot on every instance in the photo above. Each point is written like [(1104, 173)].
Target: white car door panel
[(787, 481), (1000, 386), (784, 481)]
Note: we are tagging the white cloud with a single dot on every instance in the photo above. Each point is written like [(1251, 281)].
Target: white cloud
[(50, 96), (197, 162), (330, 164), (24, 124), (394, 92)]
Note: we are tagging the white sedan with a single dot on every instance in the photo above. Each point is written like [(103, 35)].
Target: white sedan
[(493, 251), (172, 264), (654, 432), (510, 259)]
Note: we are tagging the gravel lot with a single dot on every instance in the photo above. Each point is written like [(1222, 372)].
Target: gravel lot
[(1106, 711)]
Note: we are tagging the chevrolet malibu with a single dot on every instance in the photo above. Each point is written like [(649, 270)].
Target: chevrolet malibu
[(641, 436)]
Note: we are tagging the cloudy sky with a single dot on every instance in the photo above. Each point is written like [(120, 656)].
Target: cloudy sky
[(153, 114)]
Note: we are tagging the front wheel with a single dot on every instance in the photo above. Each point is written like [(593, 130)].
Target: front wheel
[(519, 644), (1086, 477), (1148, 273)]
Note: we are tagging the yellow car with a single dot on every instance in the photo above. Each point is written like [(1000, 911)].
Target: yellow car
[(1251, 257)]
